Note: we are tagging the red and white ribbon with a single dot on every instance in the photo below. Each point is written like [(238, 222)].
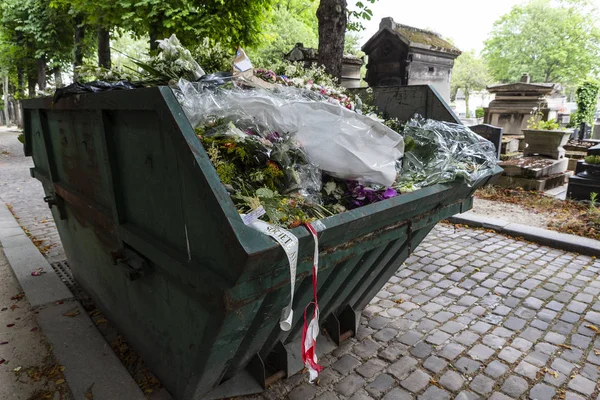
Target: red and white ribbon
[(310, 331)]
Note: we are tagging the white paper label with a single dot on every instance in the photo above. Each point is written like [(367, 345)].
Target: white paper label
[(253, 215)]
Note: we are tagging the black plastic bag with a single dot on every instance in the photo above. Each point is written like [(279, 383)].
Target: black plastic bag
[(91, 87)]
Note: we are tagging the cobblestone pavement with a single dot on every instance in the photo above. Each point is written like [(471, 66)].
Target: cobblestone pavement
[(472, 314), (25, 196)]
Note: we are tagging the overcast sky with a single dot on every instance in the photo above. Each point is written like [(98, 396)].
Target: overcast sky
[(466, 22)]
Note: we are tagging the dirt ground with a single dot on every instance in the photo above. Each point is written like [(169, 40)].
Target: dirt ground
[(510, 212), (27, 369)]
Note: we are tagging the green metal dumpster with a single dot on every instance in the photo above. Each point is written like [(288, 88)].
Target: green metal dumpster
[(153, 237)]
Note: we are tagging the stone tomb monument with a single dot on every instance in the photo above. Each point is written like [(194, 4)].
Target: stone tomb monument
[(512, 107), (405, 55), (587, 178), (544, 165)]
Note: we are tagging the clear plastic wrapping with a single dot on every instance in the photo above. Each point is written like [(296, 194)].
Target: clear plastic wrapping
[(443, 152), (340, 142)]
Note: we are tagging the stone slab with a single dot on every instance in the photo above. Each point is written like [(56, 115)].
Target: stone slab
[(87, 357), (534, 167), (509, 145), (542, 184), (24, 258), (562, 241), (572, 164)]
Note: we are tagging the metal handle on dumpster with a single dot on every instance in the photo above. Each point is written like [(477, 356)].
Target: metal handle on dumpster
[(54, 200), (134, 265)]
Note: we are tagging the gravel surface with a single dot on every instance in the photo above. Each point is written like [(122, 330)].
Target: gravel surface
[(510, 212)]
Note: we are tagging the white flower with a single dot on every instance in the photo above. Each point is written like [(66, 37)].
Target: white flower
[(330, 187)]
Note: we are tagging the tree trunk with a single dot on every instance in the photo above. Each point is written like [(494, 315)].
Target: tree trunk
[(5, 98), (467, 95), (41, 72), (104, 48), (79, 36), (31, 81), (58, 82), (153, 36), (332, 30), (20, 82)]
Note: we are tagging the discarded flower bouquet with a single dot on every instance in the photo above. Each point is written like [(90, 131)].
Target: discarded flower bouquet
[(304, 153), (301, 146)]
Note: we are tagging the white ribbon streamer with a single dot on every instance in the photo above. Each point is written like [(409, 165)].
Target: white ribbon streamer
[(289, 243)]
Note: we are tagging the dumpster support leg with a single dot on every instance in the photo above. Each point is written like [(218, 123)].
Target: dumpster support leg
[(342, 326)]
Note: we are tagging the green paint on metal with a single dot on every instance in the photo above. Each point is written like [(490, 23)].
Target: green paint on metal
[(134, 181)]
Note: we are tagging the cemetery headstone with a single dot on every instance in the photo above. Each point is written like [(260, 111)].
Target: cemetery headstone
[(491, 133), (586, 179)]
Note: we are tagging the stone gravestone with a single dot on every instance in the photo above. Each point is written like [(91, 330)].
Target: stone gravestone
[(586, 179), (585, 131), (491, 133)]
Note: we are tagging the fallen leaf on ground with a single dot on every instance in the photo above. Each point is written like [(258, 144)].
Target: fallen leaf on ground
[(13, 307), (94, 313), (597, 352), (1, 343), (18, 296), (4, 309), (73, 313), (101, 321), (59, 381), (38, 272), (10, 325), (565, 346), (18, 369), (34, 329), (594, 328), (435, 383), (2, 361), (399, 301)]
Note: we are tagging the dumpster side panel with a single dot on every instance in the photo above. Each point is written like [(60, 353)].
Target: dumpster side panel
[(147, 190), (74, 145), (161, 319)]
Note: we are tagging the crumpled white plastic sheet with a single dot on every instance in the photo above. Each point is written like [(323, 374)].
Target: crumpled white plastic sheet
[(341, 142)]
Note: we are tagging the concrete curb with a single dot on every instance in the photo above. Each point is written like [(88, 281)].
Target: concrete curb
[(557, 240), (88, 359)]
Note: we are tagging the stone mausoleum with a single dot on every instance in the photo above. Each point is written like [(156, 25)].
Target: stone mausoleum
[(514, 104), (400, 55)]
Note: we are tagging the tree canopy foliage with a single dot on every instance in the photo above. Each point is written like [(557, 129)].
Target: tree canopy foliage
[(469, 74), (552, 41), (41, 38), (292, 21)]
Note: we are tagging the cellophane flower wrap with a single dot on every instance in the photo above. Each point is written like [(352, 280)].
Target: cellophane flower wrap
[(443, 152)]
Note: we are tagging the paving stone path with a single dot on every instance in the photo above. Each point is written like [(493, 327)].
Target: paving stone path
[(472, 314), (25, 196)]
